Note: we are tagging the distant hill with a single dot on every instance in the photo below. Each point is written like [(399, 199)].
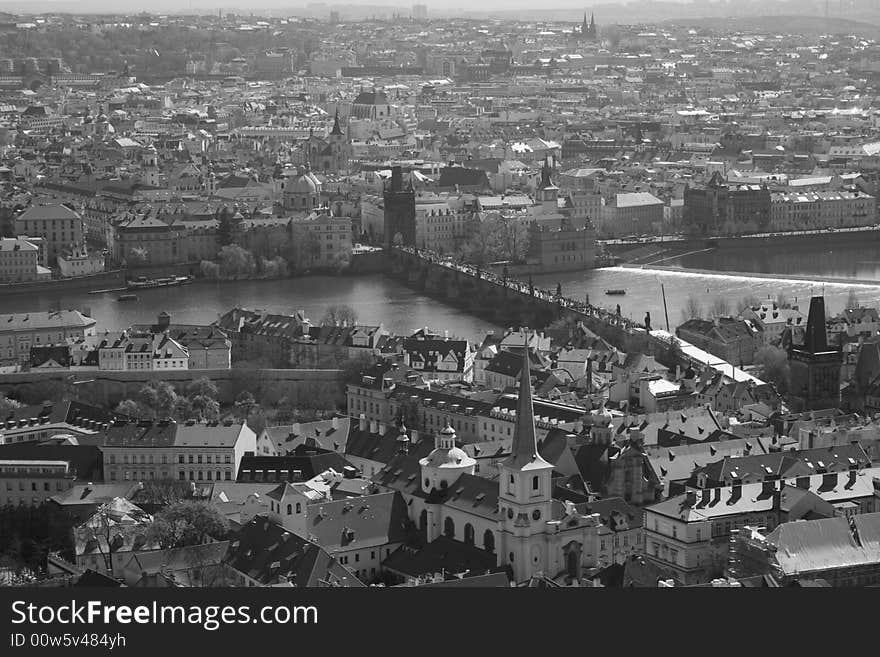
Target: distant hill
[(783, 25)]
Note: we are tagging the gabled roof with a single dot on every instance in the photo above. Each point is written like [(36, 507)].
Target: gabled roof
[(273, 556), (359, 522)]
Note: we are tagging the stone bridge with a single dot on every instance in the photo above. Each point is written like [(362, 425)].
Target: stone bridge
[(510, 302)]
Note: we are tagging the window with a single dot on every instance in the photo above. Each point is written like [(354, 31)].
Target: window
[(535, 483), (449, 528), (298, 507), (289, 509)]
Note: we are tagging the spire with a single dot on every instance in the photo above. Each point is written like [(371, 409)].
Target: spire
[(336, 129), (815, 337), (545, 175), (524, 451)]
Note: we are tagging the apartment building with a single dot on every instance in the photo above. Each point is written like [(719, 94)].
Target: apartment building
[(689, 534), (324, 241), (190, 451), (21, 260), (809, 210), (20, 331), (26, 482), (62, 229), (43, 421)]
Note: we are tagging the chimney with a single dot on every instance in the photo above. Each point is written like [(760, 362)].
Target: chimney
[(382, 428), (690, 498), (374, 426), (803, 482), (829, 481), (164, 321), (413, 436), (334, 423), (851, 479), (362, 422), (704, 496)]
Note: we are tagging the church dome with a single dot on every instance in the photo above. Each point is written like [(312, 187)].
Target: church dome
[(305, 182)]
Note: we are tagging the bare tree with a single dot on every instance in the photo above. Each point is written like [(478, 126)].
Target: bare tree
[(852, 301), (692, 309), (749, 301), (339, 314), (720, 308)]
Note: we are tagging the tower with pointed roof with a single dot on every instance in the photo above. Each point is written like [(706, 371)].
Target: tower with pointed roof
[(588, 31), (815, 365), (525, 491), (548, 193)]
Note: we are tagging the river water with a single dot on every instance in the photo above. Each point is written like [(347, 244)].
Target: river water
[(379, 299)]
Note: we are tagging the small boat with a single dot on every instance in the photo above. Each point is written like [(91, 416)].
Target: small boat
[(615, 291), (127, 297)]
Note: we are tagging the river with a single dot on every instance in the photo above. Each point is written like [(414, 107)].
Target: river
[(379, 299)]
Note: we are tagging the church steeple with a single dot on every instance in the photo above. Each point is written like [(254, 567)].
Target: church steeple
[(524, 451), (336, 129)]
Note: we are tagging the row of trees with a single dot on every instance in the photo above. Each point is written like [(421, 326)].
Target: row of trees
[(235, 262), (159, 399)]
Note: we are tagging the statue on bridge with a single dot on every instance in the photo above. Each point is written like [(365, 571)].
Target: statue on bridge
[(648, 321), (558, 289), (531, 286), (618, 310)]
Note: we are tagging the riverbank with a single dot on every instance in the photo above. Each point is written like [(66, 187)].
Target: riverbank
[(860, 236), (786, 278), (106, 279)]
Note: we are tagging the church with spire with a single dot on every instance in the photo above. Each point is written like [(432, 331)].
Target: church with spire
[(588, 32), (330, 153), (513, 519)]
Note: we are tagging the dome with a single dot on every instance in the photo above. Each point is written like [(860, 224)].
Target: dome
[(448, 458), (304, 183)]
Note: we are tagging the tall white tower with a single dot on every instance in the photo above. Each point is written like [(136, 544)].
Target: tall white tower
[(525, 494)]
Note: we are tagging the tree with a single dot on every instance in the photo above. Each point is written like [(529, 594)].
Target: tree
[(235, 262), (203, 386), (128, 408), (256, 420), (748, 301), (187, 523), (692, 309), (339, 314), (183, 409), (852, 301), (43, 391), (205, 408), (354, 367), (774, 368), (7, 406), (158, 397), (782, 301), (244, 402), (719, 308), (209, 269)]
